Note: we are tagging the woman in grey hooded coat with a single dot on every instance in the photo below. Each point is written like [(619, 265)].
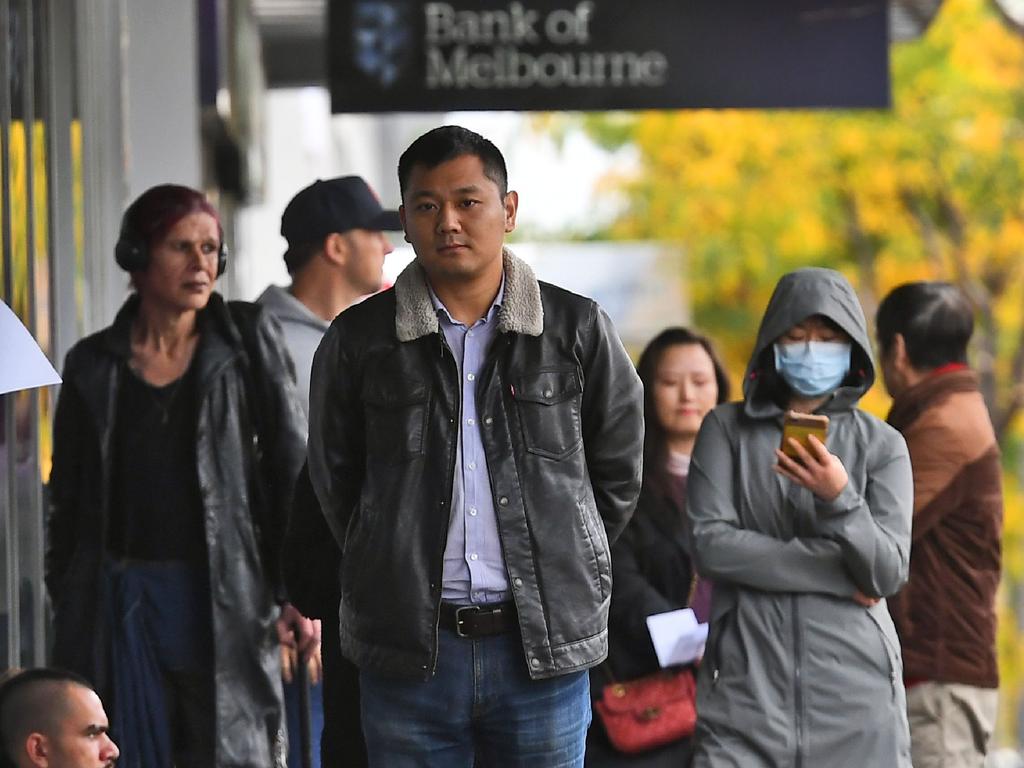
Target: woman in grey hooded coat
[(802, 666)]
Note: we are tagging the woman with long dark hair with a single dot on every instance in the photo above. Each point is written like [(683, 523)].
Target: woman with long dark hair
[(652, 566), (177, 440)]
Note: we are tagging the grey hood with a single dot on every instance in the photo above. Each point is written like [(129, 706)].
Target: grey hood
[(798, 295), (287, 309)]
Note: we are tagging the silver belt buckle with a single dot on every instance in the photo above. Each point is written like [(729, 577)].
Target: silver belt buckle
[(466, 609)]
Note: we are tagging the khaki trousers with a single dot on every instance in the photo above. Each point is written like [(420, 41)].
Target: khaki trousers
[(950, 724)]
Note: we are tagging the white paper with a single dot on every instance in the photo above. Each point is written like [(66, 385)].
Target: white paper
[(677, 636), (22, 363)]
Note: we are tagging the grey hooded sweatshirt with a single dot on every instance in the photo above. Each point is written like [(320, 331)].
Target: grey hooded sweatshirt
[(795, 672), (303, 331)]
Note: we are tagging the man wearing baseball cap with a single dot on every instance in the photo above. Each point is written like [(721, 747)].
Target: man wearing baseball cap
[(336, 248)]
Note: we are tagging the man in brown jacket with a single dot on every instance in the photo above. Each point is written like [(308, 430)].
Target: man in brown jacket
[(945, 615)]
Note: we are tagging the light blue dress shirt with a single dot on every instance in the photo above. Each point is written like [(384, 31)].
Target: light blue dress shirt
[(474, 567)]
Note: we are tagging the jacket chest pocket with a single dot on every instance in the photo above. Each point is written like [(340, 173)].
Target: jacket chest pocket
[(548, 403), (396, 419)]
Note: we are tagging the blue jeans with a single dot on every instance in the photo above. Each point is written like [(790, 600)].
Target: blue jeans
[(480, 703)]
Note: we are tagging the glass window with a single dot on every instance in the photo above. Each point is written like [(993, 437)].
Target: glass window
[(22, 448), (36, 467), (25, 285)]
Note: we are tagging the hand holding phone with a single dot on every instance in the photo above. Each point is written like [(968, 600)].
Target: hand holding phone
[(800, 426), (805, 460)]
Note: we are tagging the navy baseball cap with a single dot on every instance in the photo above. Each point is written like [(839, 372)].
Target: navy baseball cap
[(334, 205)]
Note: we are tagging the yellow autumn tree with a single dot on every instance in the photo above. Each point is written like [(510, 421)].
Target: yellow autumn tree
[(931, 189)]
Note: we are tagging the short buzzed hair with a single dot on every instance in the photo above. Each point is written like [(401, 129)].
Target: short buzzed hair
[(448, 143), (934, 318), (33, 702)]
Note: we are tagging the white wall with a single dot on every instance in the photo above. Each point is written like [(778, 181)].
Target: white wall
[(139, 104), (161, 95), (98, 60), (305, 142)]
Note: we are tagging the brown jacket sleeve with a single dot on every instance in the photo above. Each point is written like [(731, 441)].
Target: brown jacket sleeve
[(945, 443)]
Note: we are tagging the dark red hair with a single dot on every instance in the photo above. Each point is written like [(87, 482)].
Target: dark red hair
[(155, 212)]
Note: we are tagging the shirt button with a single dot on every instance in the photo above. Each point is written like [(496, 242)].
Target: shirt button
[(469, 333), (472, 511), (474, 556), (471, 422), (503, 501), (471, 376), (472, 465)]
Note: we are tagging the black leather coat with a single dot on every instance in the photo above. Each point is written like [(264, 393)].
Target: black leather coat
[(560, 408), (653, 574), (242, 564)]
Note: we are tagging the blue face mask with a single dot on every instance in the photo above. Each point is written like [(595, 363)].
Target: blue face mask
[(813, 368)]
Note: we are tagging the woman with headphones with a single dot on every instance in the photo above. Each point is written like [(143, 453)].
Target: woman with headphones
[(177, 439)]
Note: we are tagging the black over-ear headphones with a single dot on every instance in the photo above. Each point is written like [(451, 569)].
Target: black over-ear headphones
[(132, 253)]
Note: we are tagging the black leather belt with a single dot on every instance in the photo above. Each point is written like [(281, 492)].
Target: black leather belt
[(472, 621)]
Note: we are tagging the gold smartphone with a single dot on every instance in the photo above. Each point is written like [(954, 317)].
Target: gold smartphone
[(800, 426)]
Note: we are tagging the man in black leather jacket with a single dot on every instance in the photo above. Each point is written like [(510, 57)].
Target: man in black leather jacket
[(475, 443)]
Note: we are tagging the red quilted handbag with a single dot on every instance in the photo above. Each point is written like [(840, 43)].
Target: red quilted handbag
[(650, 711)]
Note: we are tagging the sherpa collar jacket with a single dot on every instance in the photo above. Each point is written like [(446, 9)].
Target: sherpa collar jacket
[(560, 406), (946, 614)]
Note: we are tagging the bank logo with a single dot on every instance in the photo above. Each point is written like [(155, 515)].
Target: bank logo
[(382, 39)]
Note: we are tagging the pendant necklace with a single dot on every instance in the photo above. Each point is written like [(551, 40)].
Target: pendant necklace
[(161, 397), (165, 404)]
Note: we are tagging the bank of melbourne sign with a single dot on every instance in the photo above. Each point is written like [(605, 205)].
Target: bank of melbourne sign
[(408, 55)]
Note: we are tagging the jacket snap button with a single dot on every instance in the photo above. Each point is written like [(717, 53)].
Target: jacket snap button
[(503, 501), (517, 583), (548, 393), (488, 420), (535, 662)]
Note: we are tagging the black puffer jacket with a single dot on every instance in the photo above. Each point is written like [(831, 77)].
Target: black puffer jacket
[(560, 408), (242, 561)]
